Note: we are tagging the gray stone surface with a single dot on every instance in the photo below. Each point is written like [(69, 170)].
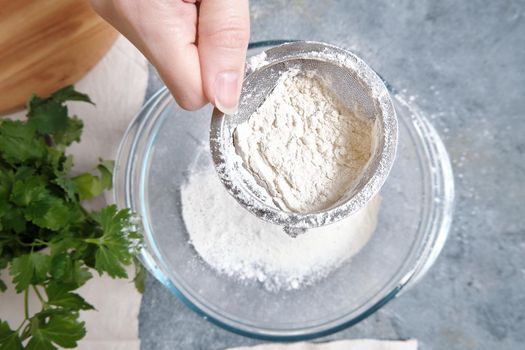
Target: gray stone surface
[(463, 63)]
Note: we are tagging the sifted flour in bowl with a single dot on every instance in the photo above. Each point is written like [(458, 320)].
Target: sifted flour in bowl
[(235, 242)]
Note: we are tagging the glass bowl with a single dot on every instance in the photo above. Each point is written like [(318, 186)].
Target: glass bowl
[(162, 146)]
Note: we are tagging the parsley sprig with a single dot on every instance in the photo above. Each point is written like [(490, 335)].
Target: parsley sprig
[(48, 241)]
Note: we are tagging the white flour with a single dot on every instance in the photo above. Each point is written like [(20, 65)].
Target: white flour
[(235, 242), (303, 145), (255, 62)]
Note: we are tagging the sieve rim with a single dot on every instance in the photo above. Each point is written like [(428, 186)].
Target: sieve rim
[(385, 154)]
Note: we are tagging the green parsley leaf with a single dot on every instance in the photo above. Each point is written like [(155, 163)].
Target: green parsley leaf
[(69, 187), (112, 220), (67, 270), (9, 339), (63, 243), (6, 183), (66, 165), (47, 116), (61, 267), (41, 263), (68, 93), (18, 142), (114, 249), (90, 186), (22, 269), (50, 212), (39, 342), (50, 115), (53, 161), (107, 261), (13, 219), (62, 330), (106, 172), (29, 190), (59, 294), (28, 268), (70, 133), (140, 276), (80, 274), (24, 172)]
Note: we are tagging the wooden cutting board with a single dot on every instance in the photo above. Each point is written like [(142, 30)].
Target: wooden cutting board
[(46, 44)]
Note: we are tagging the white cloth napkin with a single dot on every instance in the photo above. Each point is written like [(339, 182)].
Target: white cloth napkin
[(117, 85), (354, 344)]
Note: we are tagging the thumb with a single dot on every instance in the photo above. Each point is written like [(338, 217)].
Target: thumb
[(224, 31)]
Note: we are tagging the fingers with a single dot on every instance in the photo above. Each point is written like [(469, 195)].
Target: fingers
[(165, 32), (170, 45), (223, 34), (179, 68)]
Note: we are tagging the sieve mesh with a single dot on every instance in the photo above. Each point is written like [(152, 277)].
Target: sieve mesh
[(354, 83)]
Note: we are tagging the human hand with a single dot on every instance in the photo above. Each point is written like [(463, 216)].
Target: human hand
[(198, 46)]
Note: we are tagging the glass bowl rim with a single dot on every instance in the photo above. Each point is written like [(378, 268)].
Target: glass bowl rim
[(126, 177)]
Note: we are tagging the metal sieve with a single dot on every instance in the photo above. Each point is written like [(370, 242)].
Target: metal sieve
[(353, 82)]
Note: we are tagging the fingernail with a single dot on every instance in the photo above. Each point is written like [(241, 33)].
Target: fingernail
[(227, 92)]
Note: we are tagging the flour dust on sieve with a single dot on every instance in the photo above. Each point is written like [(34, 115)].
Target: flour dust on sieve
[(303, 145)]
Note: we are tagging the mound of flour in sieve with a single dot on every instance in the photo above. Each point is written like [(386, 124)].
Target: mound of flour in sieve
[(303, 145), (236, 243)]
